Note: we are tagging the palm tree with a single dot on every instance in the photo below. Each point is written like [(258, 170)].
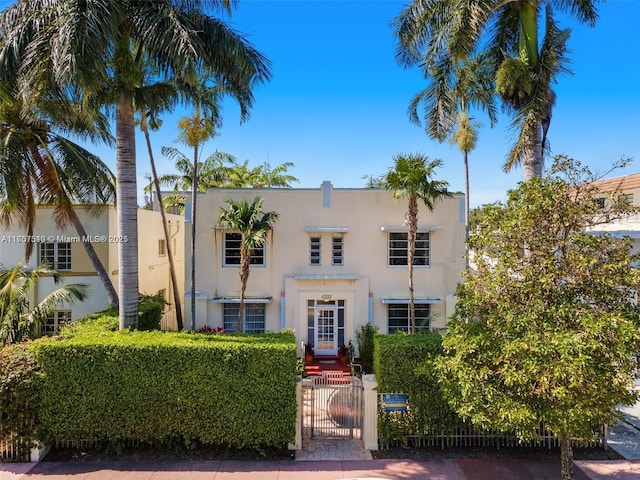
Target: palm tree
[(17, 318), (144, 126), (39, 165), (87, 47), (446, 103), (240, 175), (439, 34), (410, 178), (253, 225)]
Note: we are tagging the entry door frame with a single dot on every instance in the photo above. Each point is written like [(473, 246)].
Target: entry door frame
[(332, 329)]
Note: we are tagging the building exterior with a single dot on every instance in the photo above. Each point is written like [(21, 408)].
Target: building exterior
[(629, 225), (65, 251), (335, 259)]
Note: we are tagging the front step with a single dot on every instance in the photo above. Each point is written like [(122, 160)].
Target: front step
[(321, 363)]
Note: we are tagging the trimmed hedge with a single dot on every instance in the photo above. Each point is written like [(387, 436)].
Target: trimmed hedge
[(405, 364), (20, 385), (168, 387)]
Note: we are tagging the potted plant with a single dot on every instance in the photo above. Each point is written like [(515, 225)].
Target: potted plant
[(345, 353), (308, 352)]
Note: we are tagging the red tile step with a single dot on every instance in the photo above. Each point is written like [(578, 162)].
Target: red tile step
[(321, 363)]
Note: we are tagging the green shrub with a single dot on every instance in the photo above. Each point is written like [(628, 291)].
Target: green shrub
[(405, 364), (20, 383), (364, 337), (163, 387), (150, 311)]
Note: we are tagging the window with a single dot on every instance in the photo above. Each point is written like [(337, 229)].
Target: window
[(398, 316), (254, 317), (52, 323), (314, 250), (628, 197), (337, 257), (232, 243), (600, 201), (58, 255), (162, 247), (398, 249)]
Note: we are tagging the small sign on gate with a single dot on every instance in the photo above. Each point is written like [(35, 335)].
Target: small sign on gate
[(395, 402)]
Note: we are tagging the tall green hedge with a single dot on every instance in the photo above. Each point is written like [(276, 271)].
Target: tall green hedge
[(155, 387), (404, 364)]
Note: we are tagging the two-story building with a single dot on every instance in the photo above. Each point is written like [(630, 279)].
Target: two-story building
[(64, 250), (335, 259)]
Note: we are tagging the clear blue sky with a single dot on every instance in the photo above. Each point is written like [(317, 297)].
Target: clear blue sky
[(336, 106)]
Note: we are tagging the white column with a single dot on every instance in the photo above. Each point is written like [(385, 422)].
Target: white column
[(370, 420)]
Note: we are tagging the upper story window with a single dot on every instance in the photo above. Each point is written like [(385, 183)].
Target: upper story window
[(398, 249), (314, 250), (628, 197), (398, 318), (162, 247), (337, 250), (58, 255), (231, 250)]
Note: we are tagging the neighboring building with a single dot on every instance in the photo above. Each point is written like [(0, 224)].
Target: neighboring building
[(335, 259), (64, 249), (628, 226)]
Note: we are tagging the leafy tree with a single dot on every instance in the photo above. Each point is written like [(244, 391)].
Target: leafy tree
[(18, 319), (410, 178), (545, 330), (253, 225), (39, 164), (438, 35), (446, 103), (92, 48)]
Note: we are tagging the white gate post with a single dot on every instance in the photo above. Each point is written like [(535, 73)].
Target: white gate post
[(297, 444), (370, 423)]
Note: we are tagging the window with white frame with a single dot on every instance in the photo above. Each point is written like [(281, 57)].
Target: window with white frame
[(58, 255), (253, 321), (399, 249), (337, 250), (314, 250), (398, 317), (55, 321), (162, 247), (231, 250)]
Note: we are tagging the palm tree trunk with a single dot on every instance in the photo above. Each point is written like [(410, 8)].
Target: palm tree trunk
[(466, 208), (194, 199), (95, 260), (566, 458), (245, 263), (412, 229), (127, 212), (533, 156), (165, 227)]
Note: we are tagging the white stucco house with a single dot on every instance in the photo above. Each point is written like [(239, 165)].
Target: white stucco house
[(335, 259), (64, 250), (629, 225)]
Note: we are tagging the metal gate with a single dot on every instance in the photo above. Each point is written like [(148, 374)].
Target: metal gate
[(333, 406)]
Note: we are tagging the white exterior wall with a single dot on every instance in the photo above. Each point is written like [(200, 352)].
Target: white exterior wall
[(289, 275), (153, 268)]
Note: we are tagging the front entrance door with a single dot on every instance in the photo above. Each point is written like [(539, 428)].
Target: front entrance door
[(326, 329)]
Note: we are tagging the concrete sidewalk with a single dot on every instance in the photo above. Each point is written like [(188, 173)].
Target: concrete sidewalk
[(463, 469)]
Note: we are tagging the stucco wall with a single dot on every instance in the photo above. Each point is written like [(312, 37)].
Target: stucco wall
[(363, 213)]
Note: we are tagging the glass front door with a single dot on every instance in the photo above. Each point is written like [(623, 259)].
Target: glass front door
[(326, 329)]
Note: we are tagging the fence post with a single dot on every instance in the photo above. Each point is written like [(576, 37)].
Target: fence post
[(297, 444), (370, 423)]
